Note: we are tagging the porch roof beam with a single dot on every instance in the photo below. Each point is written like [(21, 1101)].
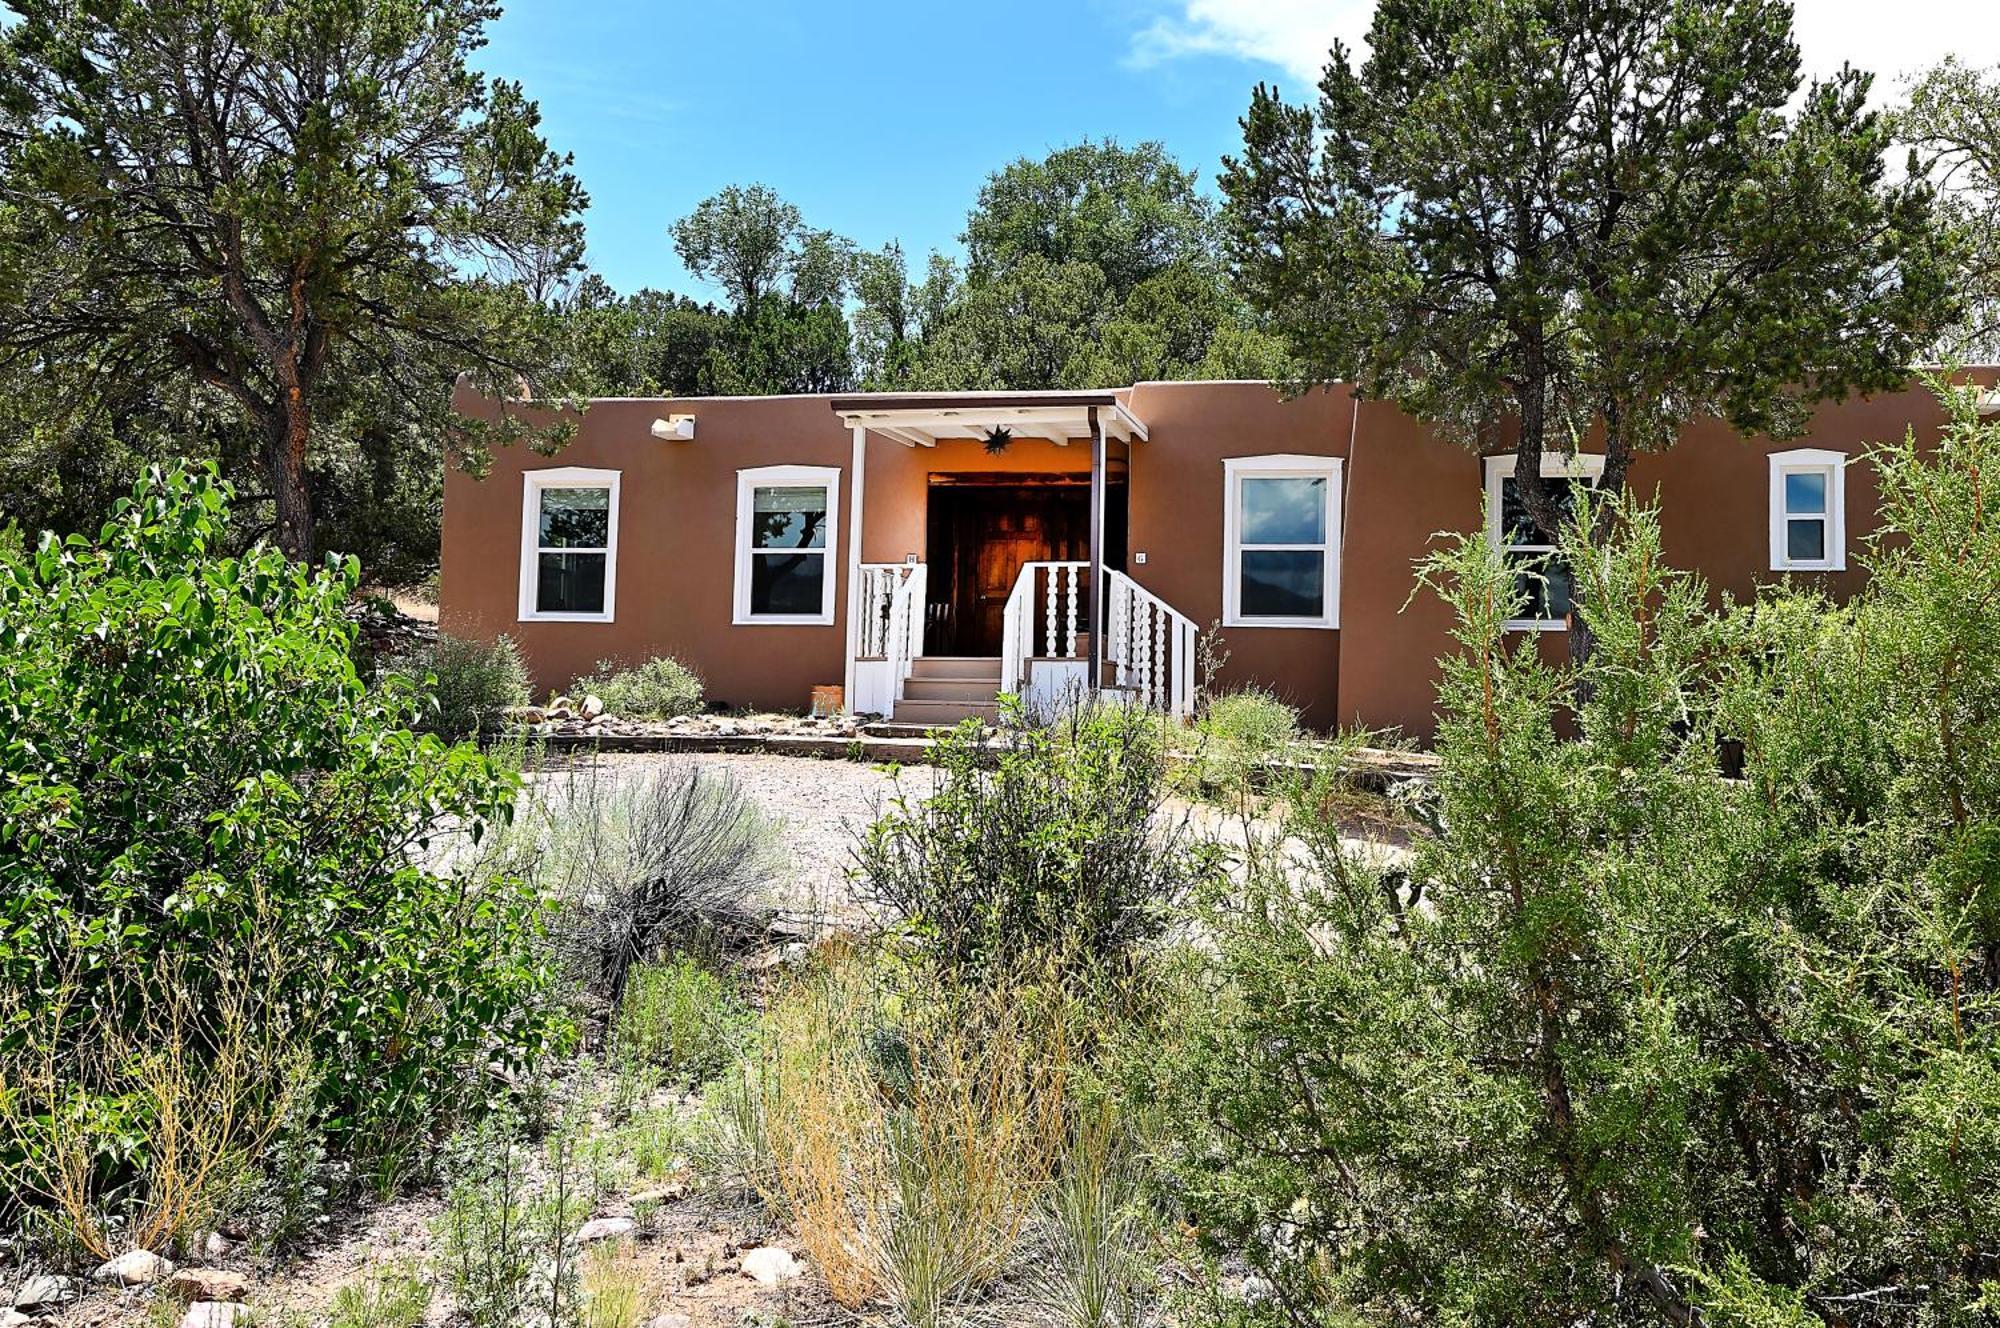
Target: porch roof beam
[(1058, 424)]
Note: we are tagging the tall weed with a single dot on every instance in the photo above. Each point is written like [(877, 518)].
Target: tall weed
[(680, 1019)]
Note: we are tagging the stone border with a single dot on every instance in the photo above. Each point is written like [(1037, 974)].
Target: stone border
[(1375, 769)]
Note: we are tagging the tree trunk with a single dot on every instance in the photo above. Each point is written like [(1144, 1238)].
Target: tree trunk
[(1582, 641), (285, 464)]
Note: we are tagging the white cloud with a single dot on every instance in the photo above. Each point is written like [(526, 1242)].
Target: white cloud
[(1293, 36), (1893, 40)]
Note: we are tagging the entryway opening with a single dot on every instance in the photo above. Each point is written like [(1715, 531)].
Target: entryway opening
[(981, 529)]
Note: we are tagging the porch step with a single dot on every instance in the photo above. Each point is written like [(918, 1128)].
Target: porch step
[(980, 690), (944, 689), (945, 713), (956, 668)]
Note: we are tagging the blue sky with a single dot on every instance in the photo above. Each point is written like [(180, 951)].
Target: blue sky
[(881, 119)]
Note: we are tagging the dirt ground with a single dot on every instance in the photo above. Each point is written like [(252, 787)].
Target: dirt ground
[(689, 1267)]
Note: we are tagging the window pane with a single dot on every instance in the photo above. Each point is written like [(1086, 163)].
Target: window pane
[(570, 583), (1284, 511), (1805, 491), (576, 518), (1805, 541), (787, 583), (1516, 526), (1544, 582), (1283, 584), (790, 518)]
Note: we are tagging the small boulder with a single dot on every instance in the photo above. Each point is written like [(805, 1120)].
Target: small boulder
[(212, 1284), (769, 1265), (605, 1228), (212, 1314), (530, 715), (13, 1318), (134, 1268), (215, 1245), (669, 1320), (592, 707), (46, 1292)]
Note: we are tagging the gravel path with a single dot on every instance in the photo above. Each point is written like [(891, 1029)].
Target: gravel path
[(819, 807)]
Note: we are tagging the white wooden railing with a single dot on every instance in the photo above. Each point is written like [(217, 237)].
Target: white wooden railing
[(1043, 619), (1151, 644), (892, 616)]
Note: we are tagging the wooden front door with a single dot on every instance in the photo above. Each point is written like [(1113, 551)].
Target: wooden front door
[(981, 535), (1008, 540)]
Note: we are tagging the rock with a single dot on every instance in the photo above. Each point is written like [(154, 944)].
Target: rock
[(529, 715), (211, 1314), (198, 1284), (1257, 1290), (134, 1268), (669, 1321), (47, 1291), (605, 1228), (726, 729), (215, 1245), (13, 1318), (592, 707), (769, 1265), (672, 1192)]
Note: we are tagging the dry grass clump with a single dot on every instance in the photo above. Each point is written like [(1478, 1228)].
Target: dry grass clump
[(211, 1069), (909, 1127)]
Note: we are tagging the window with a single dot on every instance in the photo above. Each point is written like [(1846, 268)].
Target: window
[(1543, 579), (569, 545), (785, 520), (1281, 542), (1808, 511)]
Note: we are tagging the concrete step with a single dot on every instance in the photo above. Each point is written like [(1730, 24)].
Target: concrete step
[(952, 689), (958, 668), (945, 712)]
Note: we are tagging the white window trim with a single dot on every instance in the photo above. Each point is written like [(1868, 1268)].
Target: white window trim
[(1555, 465), (1278, 466), (747, 484), (1801, 461), (533, 484)]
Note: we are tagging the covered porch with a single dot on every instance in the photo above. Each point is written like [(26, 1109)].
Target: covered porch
[(1012, 577)]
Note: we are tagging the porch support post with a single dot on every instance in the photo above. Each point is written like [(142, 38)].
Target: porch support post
[(857, 479), (1096, 598)]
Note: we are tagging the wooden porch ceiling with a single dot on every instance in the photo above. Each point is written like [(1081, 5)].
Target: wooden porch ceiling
[(919, 419)]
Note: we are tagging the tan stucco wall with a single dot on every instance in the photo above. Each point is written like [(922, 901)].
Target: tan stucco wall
[(677, 527), (676, 555), (1713, 488), (1177, 511)]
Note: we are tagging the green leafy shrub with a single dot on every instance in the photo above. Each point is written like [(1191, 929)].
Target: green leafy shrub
[(661, 688), (1627, 1041), (468, 683), (681, 1019), (1057, 843), (1239, 733), (209, 822)]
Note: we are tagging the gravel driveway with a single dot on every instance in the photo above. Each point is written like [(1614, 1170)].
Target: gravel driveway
[(819, 806)]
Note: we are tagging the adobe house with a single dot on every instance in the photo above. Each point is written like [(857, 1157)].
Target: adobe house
[(927, 551)]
